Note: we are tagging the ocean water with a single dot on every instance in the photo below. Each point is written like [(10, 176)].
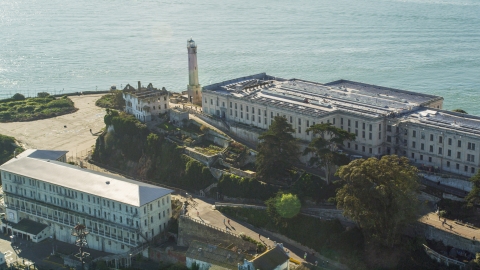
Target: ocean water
[(59, 46)]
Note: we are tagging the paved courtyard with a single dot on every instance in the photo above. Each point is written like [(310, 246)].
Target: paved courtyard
[(456, 227), (69, 132)]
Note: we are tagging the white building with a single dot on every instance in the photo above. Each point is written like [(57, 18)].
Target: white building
[(51, 197), (385, 120), (146, 103)]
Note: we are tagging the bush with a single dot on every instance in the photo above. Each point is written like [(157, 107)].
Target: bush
[(239, 187), (18, 96)]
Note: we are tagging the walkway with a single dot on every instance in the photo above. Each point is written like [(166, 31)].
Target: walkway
[(457, 227)]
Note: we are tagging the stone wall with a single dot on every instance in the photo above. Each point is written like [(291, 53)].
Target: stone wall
[(427, 197), (207, 160), (167, 255), (250, 136), (449, 239), (241, 173), (217, 138), (451, 182), (190, 229), (328, 214)]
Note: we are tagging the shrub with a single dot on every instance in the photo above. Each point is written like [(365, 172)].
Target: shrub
[(18, 96), (239, 187)]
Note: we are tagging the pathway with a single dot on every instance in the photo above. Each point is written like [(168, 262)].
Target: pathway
[(457, 227)]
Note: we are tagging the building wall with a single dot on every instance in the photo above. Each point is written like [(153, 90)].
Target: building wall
[(202, 265), (158, 104), (33, 198), (374, 136)]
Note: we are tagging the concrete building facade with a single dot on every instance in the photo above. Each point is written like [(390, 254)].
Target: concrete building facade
[(384, 120), (120, 214), (146, 103)]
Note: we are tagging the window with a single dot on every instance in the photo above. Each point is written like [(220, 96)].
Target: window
[(230, 104), (235, 105), (440, 151), (431, 148), (291, 119), (389, 139), (370, 150), (308, 123), (370, 136), (363, 148), (299, 130), (429, 159), (211, 101), (241, 107), (472, 169), (348, 145), (356, 132), (449, 153), (471, 146), (348, 122), (389, 128), (414, 133), (470, 158), (356, 124), (457, 166), (363, 134), (440, 139), (246, 108), (333, 121), (299, 121), (231, 112), (370, 127), (413, 155), (236, 114), (422, 146), (271, 114), (431, 137), (421, 157), (449, 141), (248, 117), (422, 136), (448, 163), (205, 100), (459, 144), (466, 168), (459, 155), (356, 146), (413, 144), (341, 121), (380, 135)]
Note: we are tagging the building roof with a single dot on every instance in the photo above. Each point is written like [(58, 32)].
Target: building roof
[(29, 226), (108, 186), (217, 256), (41, 154), (318, 99), (271, 259), (446, 120)]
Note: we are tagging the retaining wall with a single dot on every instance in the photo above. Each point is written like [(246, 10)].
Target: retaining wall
[(191, 229), (451, 182), (449, 239)]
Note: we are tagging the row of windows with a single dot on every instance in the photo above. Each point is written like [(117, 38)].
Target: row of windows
[(470, 145), (448, 164), (470, 157)]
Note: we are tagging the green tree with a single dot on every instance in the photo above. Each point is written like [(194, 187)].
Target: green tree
[(287, 205), (277, 151), (117, 99), (324, 146), (459, 111), (154, 142), (18, 96), (473, 197), (380, 195)]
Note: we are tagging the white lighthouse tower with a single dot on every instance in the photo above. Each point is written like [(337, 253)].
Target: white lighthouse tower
[(194, 88)]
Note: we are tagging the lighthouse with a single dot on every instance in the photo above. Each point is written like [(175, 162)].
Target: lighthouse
[(194, 89)]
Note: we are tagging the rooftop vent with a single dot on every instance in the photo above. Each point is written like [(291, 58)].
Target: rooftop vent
[(108, 182)]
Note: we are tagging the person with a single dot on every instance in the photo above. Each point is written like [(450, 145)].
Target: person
[(198, 213), (229, 222), (316, 263), (305, 256)]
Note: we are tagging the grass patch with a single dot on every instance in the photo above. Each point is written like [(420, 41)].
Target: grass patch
[(168, 126), (30, 109), (210, 150)]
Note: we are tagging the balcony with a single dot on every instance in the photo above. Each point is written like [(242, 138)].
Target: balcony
[(70, 220)]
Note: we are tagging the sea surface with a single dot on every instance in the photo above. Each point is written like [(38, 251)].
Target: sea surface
[(60, 46)]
